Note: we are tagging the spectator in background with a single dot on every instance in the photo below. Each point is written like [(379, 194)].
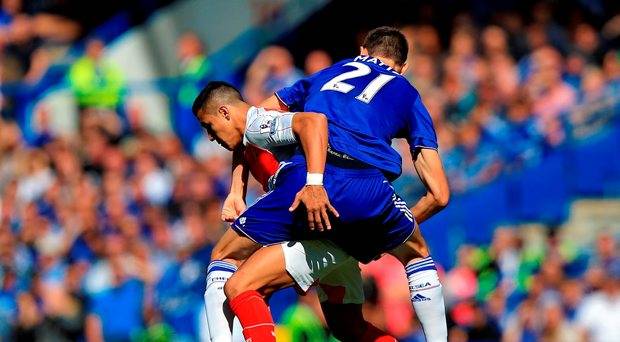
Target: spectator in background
[(97, 83), (116, 295), (522, 138), (9, 9), (476, 157), (304, 321), (494, 41), (424, 40), (575, 64), (28, 25), (599, 314), (196, 71), (272, 69), (317, 60), (545, 24), (586, 43), (423, 74), (551, 96)]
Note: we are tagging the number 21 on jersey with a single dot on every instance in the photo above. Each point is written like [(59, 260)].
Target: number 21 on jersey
[(337, 83)]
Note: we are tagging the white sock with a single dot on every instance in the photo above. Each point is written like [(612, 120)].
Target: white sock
[(223, 325), (427, 299)]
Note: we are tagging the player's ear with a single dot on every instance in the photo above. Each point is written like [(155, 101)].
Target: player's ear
[(404, 68), (224, 111), (363, 51)]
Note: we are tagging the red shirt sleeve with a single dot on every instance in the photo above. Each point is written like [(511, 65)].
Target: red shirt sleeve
[(262, 164)]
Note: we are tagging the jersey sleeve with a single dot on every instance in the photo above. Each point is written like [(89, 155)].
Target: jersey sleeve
[(294, 96), (269, 128), (421, 130)]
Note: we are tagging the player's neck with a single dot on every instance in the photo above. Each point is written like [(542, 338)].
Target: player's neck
[(389, 62), (241, 120)]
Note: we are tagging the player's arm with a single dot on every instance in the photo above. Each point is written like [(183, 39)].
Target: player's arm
[(311, 128), (428, 165), (273, 103), (234, 203), (270, 129)]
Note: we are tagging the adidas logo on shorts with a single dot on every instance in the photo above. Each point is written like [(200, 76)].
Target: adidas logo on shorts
[(420, 298)]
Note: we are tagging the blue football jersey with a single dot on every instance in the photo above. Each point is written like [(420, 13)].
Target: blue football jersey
[(367, 104)]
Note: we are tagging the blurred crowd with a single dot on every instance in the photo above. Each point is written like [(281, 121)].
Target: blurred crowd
[(32, 33), (503, 95), (529, 284), (106, 234)]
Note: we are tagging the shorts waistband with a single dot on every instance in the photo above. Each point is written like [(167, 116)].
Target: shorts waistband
[(337, 163)]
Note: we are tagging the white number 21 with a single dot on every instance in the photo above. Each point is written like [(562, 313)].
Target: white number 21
[(371, 89)]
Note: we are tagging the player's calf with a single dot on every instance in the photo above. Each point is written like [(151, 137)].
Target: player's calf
[(425, 289), (230, 251), (242, 290)]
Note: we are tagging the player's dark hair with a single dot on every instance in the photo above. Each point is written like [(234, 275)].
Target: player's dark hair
[(389, 42), (216, 92)]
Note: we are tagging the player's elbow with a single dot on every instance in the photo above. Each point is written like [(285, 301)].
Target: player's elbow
[(312, 121), (442, 198)]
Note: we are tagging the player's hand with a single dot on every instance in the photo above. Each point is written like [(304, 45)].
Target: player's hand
[(233, 206), (314, 198)]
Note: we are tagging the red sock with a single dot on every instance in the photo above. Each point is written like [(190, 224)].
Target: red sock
[(254, 316), (374, 334)]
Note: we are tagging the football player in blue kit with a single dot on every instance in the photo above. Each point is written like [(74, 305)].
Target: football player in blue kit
[(367, 103)]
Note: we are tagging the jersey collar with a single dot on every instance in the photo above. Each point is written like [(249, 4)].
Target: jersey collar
[(248, 116)]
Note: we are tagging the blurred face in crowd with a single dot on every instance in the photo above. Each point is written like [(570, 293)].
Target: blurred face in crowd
[(611, 64), (519, 111), (462, 44), (469, 135), (94, 49), (427, 40), (224, 123), (189, 46), (12, 7), (605, 246), (424, 68), (586, 38), (536, 36), (574, 64), (547, 66), (593, 81), (494, 40), (278, 60), (317, 60)]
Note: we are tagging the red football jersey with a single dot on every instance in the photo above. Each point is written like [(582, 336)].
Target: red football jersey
[(261, 162)]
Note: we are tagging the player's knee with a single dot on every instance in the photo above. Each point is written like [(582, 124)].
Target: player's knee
[(224, 254), (233, 287), (218, 252), (414, 248), (237, 285)]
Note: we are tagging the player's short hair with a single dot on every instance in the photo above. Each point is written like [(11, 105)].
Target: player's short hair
[(387, 41), (216, 92)]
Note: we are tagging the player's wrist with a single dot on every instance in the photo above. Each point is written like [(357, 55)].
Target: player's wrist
[(314, 178)]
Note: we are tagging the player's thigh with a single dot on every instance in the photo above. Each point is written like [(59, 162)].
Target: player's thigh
[(343, 285), (268, 221), (414, 248), (264, 271), (308, 261), (233, 247)]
